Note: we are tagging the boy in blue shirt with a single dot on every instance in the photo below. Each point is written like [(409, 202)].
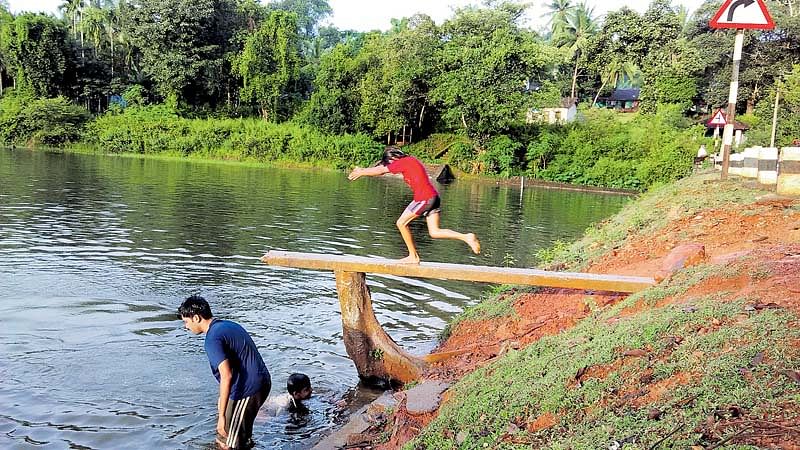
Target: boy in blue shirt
[(244, 381)]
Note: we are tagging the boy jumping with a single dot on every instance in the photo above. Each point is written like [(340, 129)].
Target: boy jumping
[(426, 201)]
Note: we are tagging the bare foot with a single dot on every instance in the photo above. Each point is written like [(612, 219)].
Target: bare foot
[(409, 260), (474, 243)]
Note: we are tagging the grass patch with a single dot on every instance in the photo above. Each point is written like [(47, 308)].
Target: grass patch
[(540, 379)]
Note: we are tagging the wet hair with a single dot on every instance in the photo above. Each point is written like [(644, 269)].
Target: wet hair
[(390, 154), (297, 382), (195, 305)]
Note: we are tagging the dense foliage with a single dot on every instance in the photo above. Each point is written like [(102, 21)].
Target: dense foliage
[(159, 129), (26, 120), (479, 75)]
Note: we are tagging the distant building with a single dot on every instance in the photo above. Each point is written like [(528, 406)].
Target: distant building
[(565, 112), (625, 100), (622, 99)]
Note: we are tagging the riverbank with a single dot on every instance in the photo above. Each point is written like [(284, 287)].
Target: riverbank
[(708, 358), (602, 149), (433, 169)]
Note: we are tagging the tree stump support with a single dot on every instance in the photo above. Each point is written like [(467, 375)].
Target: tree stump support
[(376, 356)]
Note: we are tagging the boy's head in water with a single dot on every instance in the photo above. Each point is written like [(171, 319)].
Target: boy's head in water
[(390, 154), (299, 386)]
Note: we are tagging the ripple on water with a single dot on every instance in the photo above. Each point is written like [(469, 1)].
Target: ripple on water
[(97, 252)]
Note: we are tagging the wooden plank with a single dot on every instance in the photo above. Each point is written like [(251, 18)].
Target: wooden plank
[(482, 274)]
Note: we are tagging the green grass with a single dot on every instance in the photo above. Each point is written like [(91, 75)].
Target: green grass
[(711, 340), (539, 379)]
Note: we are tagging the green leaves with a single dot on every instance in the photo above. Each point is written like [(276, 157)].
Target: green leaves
[(34, 50), (50, 122), (484, 62), (270, 66)]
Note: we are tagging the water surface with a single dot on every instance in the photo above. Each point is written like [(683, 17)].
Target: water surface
[(97, 252)]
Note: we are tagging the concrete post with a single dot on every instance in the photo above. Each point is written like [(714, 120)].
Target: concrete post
[(750, 165), (789, 175), (736, 163), (768, 166), (727, 136)]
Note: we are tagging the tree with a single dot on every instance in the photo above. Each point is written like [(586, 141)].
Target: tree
[(6, 21), (269, 66), (612, 72), (788, 123), (73, 10), (334, 105), (581, 26), (670, 76), (184, 45), (482, 67), (559, 12), (93, 24), (309, 13), (36, 50), (395, 89)]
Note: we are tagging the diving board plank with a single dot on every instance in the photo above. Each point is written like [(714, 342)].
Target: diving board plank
[(463, 272)]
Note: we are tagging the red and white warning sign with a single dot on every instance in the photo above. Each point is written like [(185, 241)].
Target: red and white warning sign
[(750, 14), (718, 119)]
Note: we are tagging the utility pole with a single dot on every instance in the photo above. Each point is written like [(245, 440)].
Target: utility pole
[(739, 15), (727, 135), (775, 116)]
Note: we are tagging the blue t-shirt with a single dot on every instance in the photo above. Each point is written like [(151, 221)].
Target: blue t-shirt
[(228, 340)]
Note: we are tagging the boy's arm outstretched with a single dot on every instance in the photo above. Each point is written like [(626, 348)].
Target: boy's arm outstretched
[(374, 171)]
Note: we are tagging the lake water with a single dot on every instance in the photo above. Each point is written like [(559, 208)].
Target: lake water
[(97, 252)]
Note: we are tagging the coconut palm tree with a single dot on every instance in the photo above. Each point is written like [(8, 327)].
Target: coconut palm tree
[(5, 22), (559, 12), (111, 27), (73, 10), (93, 24), (613, 72), (581, 25)]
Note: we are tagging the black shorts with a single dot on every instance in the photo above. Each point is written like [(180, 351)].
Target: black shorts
[(425, 207), (239, 417)]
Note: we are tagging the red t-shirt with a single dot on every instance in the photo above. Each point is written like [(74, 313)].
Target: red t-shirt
[(415, 177)]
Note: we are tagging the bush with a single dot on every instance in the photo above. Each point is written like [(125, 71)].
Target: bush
[(159, 129), (462, 155), (48, 121), (615, 150), (500, 156)]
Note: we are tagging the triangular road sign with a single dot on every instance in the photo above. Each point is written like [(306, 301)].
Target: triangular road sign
[(751, 14), (718, 119)]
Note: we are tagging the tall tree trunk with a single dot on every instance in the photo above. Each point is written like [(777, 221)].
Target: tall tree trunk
[(751, 102), (83, 55), (112, 56), (594, 102), (575, 75), (421, 114)]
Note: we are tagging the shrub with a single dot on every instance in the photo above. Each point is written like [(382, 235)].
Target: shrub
[(500, 156), (47, 121), (159, 129), (462, 155)]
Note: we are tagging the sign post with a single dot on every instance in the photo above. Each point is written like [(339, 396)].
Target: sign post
[(741, 15)]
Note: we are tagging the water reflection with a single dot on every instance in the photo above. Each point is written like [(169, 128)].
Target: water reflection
[(97, 252)]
